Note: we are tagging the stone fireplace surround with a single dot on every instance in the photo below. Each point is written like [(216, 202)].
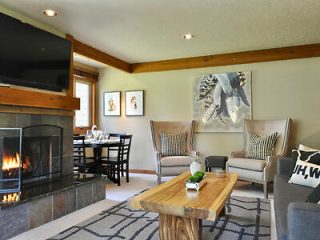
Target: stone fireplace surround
[(65, 196)]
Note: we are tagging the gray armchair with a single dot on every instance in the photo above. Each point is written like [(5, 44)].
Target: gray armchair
[(257, 170), (172, 165)]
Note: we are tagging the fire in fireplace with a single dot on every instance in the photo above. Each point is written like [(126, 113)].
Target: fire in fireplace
[(10, 163), (10, 197)]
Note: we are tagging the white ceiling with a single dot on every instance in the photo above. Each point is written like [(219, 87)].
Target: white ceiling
[(151, 30)]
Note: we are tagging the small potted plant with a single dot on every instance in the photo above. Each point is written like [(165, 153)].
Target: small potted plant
[(195, 181)]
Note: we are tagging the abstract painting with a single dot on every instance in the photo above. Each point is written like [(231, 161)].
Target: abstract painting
[(222, 101)]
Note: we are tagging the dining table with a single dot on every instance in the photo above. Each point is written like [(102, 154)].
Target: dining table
[(97, 146)]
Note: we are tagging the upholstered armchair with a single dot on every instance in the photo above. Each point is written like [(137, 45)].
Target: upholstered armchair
[(261, 170), (172, 165)]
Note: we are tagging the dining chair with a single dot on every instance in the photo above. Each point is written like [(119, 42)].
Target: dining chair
[(79, 154), (114, 165), (113, 152)]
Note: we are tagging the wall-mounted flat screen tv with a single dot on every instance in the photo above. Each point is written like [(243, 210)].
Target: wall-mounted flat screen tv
[(32, 57)]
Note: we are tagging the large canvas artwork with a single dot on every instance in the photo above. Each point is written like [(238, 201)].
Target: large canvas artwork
[(222, 101)]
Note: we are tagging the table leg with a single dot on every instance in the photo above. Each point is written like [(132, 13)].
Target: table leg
[(222, 212), (182, 228), (97, 159)]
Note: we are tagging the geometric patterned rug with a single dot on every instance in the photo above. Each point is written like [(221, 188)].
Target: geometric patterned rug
[(246, 218)]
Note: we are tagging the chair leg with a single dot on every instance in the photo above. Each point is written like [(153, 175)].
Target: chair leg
[(122, 173), (265, 190), (118, 173), (159, 179), (127, 171)]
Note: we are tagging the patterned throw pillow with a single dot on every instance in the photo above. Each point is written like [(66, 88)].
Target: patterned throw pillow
[(173, 144), (308, 156), (306, 169), (259, 147), (306, 174)]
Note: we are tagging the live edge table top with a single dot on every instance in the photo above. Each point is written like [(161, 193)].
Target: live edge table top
[(172, 198)]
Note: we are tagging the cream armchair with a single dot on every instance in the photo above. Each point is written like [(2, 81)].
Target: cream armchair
[(257, 170), (172, 165)]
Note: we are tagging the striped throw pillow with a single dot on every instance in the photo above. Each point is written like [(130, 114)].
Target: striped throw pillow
[(260, 147), (173, 144)]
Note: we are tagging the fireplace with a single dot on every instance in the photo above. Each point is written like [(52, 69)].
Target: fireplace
[(43, 195), (29, 156)]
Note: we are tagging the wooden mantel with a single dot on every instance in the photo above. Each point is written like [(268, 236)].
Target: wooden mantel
[(18, 97)]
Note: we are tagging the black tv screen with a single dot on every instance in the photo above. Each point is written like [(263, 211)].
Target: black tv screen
[(32, 57)]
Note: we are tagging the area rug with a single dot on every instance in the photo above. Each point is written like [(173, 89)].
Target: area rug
[(246, 218)]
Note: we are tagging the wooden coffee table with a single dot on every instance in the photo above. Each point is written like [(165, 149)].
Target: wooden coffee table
[(180, 210)]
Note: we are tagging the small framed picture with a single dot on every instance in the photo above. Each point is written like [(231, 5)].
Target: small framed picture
[(112, 103), (134, 103)]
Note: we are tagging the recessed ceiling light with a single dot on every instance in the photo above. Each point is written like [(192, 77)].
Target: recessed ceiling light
[(188, 36), (50, 13)]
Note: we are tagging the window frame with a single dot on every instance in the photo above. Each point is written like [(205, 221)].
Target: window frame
[(92, 103)]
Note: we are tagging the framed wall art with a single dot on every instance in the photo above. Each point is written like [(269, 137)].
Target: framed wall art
[(134, 103), (112, 103), (222, 101)]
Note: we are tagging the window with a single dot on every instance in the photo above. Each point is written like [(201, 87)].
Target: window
[(85, 117)]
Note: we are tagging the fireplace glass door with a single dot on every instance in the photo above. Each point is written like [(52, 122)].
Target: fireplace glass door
[(10, 163), (42, 153)]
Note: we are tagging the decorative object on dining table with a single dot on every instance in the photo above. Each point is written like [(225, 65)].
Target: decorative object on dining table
[(134, 103), (95, 135), (112, 103), (196, 181)]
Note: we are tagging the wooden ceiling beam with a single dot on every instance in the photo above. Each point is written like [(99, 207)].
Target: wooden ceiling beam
[(266, 55), (95, 54)]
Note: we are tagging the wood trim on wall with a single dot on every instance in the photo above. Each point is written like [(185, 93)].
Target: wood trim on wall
[(95, 54), (70, 90), (94, 104), (142, 171), (31, 110), (265, 55), (89, 76), (18, 97), (85, 68)]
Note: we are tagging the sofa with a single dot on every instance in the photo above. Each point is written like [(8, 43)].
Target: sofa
[(295, 218)]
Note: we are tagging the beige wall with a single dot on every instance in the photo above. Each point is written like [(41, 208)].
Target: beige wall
[(279, 90)]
